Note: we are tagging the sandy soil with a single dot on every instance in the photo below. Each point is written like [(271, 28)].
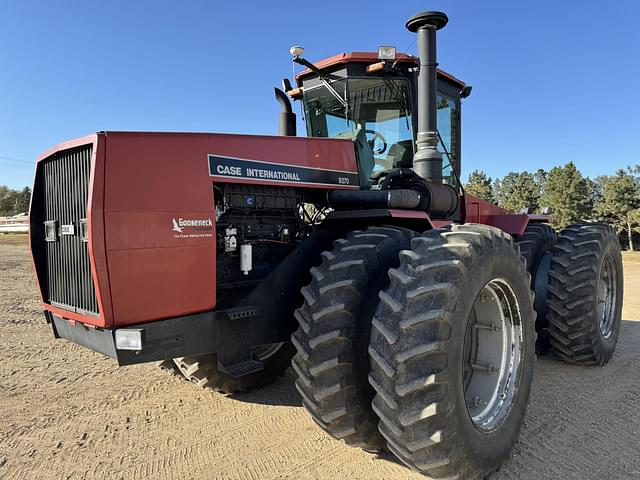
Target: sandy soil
[(67, 412)]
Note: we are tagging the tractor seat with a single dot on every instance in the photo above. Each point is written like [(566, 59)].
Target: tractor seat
[(366, 162), (401, 154)]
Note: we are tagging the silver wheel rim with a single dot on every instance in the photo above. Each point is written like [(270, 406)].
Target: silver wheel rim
[(607, 286), (266, 351), (492, 355)]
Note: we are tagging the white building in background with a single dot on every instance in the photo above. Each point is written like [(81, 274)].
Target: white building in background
[(16, 224)]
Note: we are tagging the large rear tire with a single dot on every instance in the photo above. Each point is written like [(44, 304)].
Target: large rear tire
[(535, 244), (537, 239), (585, 294), (332, 363), (452, 352), (203, 370)]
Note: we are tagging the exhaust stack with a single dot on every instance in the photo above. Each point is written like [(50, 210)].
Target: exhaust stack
[(427, 161), (287, 121)]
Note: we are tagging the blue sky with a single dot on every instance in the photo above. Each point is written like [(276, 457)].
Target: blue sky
[(553, 81)]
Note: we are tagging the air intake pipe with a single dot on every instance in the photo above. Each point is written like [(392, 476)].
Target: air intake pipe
[(368, 199), (440, 201), (287, 123), (427, 161)]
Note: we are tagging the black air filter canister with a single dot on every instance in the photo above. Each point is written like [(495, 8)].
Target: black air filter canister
[(427, 161)]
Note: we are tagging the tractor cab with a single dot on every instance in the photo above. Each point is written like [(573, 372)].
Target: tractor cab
[(372, 99)]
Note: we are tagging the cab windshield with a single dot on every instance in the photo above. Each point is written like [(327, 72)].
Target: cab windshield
[(374, 112)]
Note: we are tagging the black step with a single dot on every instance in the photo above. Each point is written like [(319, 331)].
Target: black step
[(241, 369)]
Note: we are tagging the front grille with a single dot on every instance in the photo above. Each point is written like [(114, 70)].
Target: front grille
[(65, 186)]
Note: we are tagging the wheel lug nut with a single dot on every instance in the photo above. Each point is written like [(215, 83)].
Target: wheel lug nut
[(476, 402)]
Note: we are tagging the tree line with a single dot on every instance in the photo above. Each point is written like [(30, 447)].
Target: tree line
[(568, 196), (13, 202)]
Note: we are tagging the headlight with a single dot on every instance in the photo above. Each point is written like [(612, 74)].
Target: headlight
[(51, 231), (387, 53), (129, 339)]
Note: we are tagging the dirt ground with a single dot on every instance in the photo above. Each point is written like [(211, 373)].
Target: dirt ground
[(66, 412)]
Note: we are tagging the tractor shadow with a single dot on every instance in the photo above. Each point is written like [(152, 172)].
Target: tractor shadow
[(281, 393)]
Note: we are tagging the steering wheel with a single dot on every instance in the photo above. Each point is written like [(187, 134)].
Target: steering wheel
[(376, 136)]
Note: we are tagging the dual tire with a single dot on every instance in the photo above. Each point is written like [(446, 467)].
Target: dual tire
[(535, 245), (438, 396), (578, 279), (452, 352), (332, 363), (452, 341), (584, 294)]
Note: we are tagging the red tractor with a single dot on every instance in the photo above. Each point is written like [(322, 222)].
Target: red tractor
[(405, 306)]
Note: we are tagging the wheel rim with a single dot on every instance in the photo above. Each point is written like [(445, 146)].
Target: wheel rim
[(492, 355), (607, 286), (266, 351)]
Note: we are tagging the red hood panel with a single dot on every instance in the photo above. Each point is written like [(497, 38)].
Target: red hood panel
[(152, 217)]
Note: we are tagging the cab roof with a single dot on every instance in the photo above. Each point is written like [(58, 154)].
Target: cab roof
[(370, 58)]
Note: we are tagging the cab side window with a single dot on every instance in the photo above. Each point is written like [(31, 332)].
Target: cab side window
[(447, 127)]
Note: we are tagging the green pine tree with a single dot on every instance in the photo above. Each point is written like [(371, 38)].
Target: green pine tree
[(517, 191), (7, 201), (479, 184), (569, 194), (619, 202), (13, 201), (23, 198)]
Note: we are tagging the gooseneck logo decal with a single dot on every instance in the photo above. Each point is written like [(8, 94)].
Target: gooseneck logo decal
[(192, 227), (176, 227)]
